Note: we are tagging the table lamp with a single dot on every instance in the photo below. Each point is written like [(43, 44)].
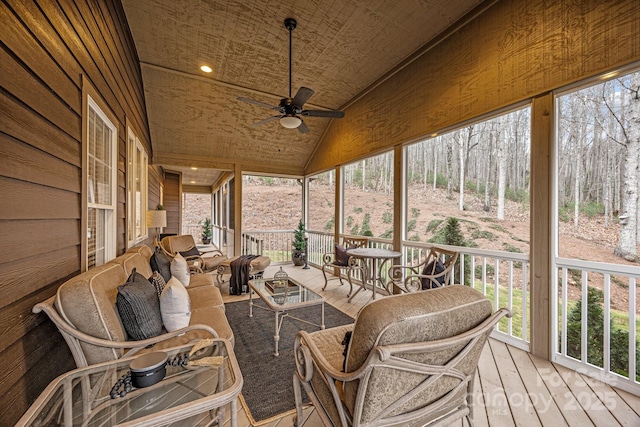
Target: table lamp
[(156, 219)]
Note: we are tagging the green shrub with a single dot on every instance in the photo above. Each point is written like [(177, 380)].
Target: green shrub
[(618, 343), (366, 228), (415, 212), (387, 234), (483, 234), (513, 249), (355, 230), (387, 217), (497, 228), (411, 225), (330, 223), (414, 238), (349, 221), (433, 224), (517, 196), (357, 210)]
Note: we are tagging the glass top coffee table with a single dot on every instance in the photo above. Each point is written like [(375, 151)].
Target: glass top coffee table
[(188, 395), (282, 297)]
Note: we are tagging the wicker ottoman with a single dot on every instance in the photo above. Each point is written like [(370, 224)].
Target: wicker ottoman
[(258, 265)]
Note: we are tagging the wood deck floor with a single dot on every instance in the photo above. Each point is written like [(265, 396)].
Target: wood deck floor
[(512, 388)]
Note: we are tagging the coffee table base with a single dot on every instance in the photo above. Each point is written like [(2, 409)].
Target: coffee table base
[(279, 317)]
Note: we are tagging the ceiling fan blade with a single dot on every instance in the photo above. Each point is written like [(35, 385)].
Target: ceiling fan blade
[(303, 95), (260, 103), (303, 128), (270, 119), (323, 113)]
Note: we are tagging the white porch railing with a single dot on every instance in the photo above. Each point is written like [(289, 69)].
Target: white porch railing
[(597, 334), (276, 244), (503, 277)]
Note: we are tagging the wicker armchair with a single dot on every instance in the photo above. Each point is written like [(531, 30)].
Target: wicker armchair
[(199, 262), (433, 271), (332, 264), (411, 361)]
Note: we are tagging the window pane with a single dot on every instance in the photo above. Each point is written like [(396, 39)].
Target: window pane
[(470, 186), (322, 193), (368, 197), (598, 148)]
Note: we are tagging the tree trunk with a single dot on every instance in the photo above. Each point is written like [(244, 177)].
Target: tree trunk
[(502, 176), (628, 234), (461, 172)]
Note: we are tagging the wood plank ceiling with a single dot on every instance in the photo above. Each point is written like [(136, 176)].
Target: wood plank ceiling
[(340, 48)]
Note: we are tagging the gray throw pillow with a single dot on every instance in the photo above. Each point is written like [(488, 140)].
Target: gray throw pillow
[(432, 269), (191, 252), (342, 259), (161, 263), (139, 308)]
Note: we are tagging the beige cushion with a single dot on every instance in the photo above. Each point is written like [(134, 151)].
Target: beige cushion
[(180, 270), (175, 306), (258, 264), (88, 303), (130, 260), (175, 244), (423, 316), (205, 296)]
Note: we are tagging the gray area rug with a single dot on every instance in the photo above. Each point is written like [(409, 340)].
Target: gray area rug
[(268, 386)]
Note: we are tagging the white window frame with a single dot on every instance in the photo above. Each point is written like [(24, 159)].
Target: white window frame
[(137, 171), (110, 210)]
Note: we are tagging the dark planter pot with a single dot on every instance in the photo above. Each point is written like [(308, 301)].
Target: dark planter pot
[(206, 241), (297, 257)]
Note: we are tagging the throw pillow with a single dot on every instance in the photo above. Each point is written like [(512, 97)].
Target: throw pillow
[(175, 306), (342, 259), (433, 269), (139, 308), (191, 252), (161, 263), (180, 269), (158, 282)]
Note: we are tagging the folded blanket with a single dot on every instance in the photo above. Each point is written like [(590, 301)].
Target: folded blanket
[(240, 274)]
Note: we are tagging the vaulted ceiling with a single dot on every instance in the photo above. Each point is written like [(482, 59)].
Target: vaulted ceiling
[(340, 48)]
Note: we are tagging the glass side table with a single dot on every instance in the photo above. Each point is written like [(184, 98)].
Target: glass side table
[(193, 395)]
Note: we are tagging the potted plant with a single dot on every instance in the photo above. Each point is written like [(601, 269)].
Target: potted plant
[(299, 245), (207, 232)]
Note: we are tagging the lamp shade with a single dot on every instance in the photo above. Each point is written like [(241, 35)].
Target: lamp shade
[(156, 219), (290, 122)]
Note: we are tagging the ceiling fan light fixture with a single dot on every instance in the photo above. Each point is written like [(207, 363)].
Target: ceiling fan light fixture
[(290, 122)]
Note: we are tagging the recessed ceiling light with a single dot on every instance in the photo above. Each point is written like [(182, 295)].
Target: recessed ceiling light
[(193, 182), (193, 168), (206, 68)]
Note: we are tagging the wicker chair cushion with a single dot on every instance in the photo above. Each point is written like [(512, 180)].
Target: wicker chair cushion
[(342, 259), (424, 316)]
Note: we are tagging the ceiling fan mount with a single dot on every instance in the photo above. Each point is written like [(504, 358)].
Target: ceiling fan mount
[(292, 107)]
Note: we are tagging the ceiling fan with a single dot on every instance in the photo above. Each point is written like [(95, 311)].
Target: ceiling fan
[(291, 109)]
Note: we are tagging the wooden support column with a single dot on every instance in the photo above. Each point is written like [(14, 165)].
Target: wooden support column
[(399, 199), (339, 204), (237, 210), (541, 227)]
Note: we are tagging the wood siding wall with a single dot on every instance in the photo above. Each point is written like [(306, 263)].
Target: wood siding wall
[(514, 51), (47, 49), (173, 202)]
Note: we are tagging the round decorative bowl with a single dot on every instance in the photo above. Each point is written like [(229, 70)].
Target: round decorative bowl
[(148, 369)]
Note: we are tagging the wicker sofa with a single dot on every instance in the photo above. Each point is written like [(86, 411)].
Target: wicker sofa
[(84, 310)]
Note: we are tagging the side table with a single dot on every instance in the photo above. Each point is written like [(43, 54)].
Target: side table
[(194, 395)]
